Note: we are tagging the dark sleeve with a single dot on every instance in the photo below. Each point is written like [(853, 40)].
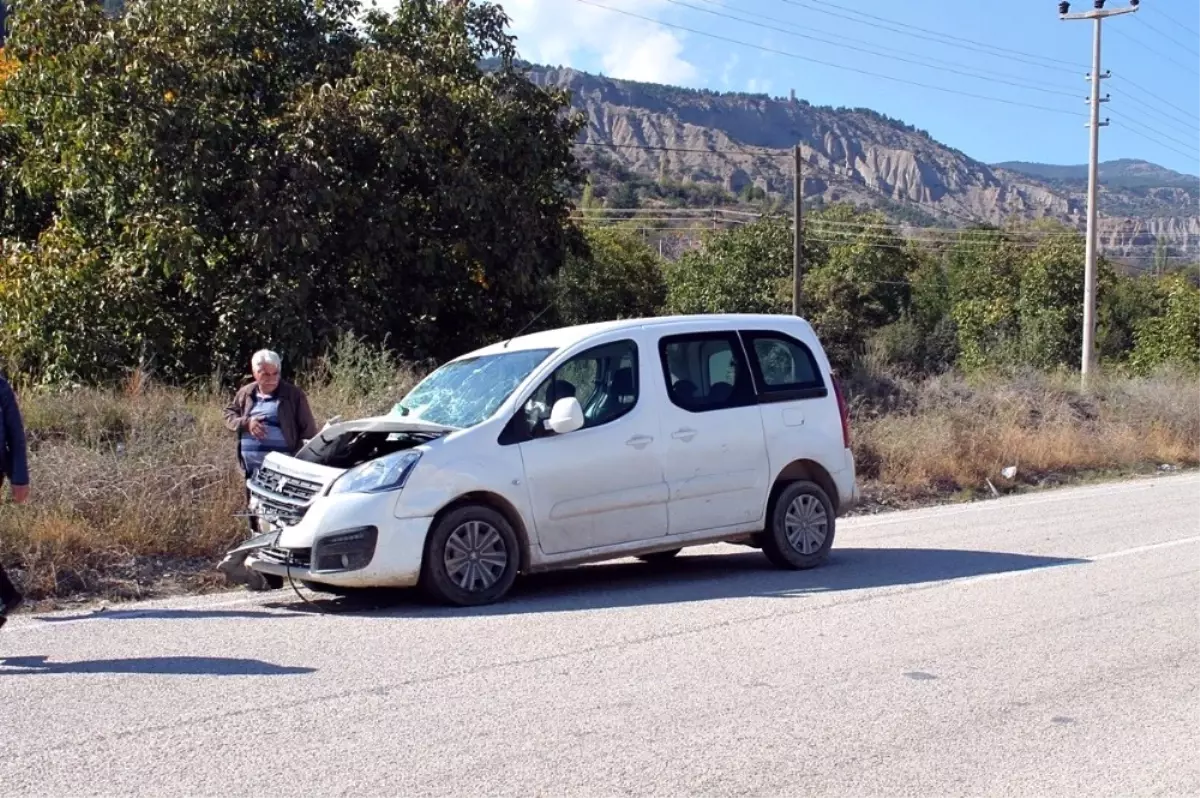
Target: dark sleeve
[(16, 457), (305, 421), (234, 420)]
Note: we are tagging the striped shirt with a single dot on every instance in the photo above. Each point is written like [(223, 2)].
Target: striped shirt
[(255, 451)]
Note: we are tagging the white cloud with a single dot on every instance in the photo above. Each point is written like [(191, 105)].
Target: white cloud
[(727, 72), (571, 33)]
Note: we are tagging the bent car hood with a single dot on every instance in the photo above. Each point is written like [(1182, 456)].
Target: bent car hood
[(300, 468), (383, 424)]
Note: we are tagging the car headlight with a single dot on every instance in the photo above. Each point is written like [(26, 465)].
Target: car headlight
[(376, 476)]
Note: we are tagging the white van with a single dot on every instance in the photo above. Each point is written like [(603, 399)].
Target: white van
[(596, 442)]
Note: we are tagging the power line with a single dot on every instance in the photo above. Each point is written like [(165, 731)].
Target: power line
[(939, 234), (767, 151), (942, 38), (957, 69), (1169, 37), (1177, 23), (685, 211), (1153, 135), (963, 43), (1180, 124), (799, 57), (772, 154), (1157, 51), (849, 233), (1149, 93)]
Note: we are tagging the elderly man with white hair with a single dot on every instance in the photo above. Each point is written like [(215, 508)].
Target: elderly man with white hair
[(269, 414)]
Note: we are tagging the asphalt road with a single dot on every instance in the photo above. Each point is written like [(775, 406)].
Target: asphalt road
[(1036, 646)]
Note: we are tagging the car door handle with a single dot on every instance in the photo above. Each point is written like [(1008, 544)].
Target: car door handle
[(639, 441), (685, 434)]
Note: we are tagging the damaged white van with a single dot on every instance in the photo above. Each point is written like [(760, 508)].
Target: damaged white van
[(596, 442)]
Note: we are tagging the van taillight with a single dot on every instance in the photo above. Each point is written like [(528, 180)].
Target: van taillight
[(844, 411)]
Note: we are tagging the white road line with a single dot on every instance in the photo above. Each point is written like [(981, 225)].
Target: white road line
[(1169, 544), (18, 626), (1085, 560), (1060, 495)]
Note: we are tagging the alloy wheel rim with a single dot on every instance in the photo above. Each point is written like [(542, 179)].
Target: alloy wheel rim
[(475, 556)]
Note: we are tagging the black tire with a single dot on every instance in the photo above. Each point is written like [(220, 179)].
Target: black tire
[(659, 556), (798, 552), (261, 583), (452, 533)]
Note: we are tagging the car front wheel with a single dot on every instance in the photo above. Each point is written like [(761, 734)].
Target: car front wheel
[(801, 527), (471, 557)]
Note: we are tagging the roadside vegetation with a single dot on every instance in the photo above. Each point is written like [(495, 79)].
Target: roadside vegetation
[(136, 489), (180, 188)]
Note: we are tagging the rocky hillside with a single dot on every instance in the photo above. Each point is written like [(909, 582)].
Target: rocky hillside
[(741, 143), (1123, 173)]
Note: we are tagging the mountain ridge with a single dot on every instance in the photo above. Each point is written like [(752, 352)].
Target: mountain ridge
[(1122, 173), (741, 143)]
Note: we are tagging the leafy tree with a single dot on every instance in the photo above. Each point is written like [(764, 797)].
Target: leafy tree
[(983, 268), (860, 285), (270, 172), (619, 278), (1173, 337), (747, 269), (1050, 307), (1125, 303), (623, 196)]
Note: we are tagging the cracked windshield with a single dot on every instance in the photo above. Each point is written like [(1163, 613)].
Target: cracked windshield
[(464, 393)]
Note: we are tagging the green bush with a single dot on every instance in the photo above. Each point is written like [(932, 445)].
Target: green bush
[(620, 277), (1173, 337), (206, 178)]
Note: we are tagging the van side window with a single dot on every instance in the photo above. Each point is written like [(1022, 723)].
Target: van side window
[(784, 367), (706, 371), (604, 379)]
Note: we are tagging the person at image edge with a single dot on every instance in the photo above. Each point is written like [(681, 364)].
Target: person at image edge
[(14, 467)]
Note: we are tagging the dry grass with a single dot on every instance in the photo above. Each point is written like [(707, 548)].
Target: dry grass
[(949, 435), (135, 489)]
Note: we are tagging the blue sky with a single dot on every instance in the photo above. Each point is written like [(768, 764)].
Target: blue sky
[(1154, 56)]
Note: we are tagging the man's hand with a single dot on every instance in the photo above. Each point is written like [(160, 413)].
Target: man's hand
[(20, 494), (256, 428)]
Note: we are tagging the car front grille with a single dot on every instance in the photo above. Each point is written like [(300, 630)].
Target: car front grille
[(296, 558), (282, 497), (283, 486)]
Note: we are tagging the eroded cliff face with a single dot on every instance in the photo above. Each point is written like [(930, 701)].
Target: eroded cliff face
[(1136, 236), (855, 155)]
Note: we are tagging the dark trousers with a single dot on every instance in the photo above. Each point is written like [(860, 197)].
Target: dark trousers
[(8, 591)]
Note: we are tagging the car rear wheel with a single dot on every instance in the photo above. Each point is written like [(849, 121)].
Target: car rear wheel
[(471, 557), (802, 526)]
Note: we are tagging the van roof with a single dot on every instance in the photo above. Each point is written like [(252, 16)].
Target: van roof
[(561, 337)]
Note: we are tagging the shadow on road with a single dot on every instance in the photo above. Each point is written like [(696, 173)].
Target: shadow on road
[(696, 578), (150, 666), (151, 615)]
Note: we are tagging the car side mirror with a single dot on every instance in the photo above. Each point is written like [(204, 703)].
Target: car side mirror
[(566, 415)]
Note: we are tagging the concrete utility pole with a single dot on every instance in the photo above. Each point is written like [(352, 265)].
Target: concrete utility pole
[(1097, 14), (798, 254)]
